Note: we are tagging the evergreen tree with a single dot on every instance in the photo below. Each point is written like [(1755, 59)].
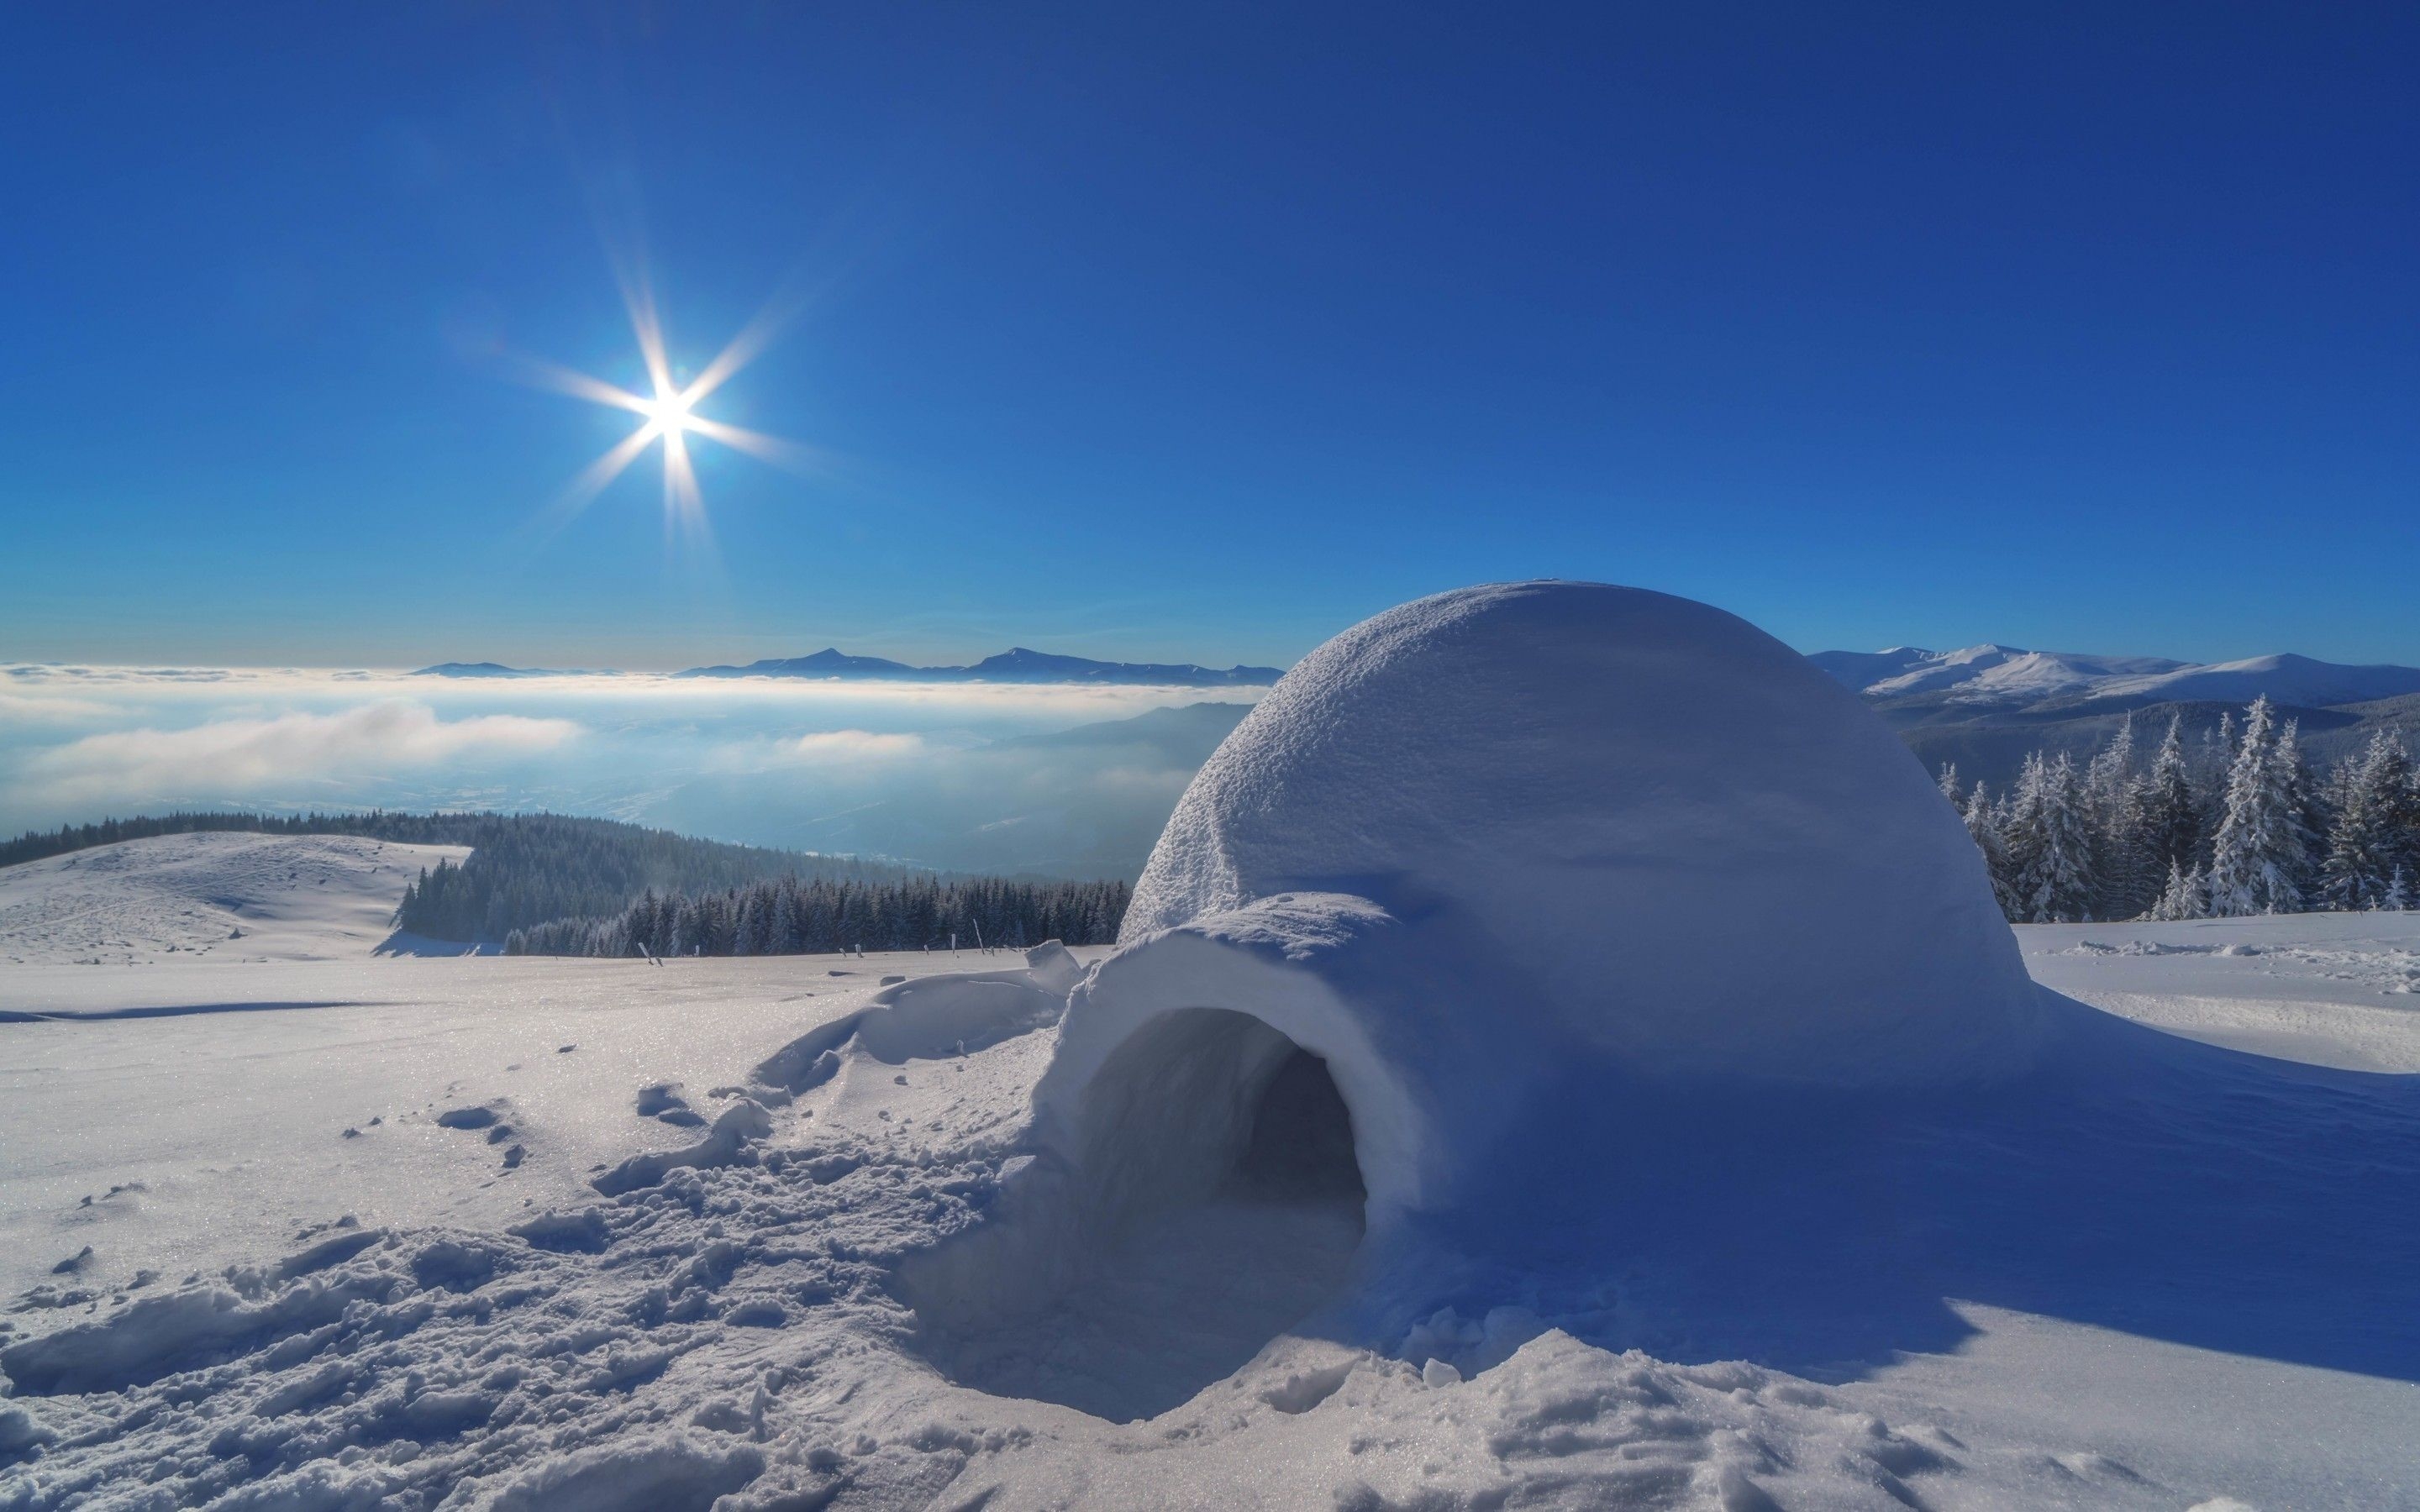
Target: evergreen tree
[(2112, 767), (2050, 844), (2259, 848), (2185, 896), (1983, 828), (2307, 814), (2171, 816), (2118, 800), (2368, 832)]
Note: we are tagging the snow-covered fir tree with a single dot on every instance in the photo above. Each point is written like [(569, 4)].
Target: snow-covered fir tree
[(2117, 800), (2185, 896), (2264, 835), (2171, 816), (1983, 828), (2306, 809), (2218, 754), (2259, 850), (2050, 841), (2113, 766), (2369, 832)]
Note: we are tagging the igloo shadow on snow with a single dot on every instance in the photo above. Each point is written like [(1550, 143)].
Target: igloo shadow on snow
[(1661, 992)]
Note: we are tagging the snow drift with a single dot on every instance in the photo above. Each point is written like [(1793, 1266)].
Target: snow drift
[(1711, 864)]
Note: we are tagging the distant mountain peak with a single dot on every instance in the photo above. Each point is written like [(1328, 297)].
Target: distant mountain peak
[(483, 668), (1991, 678), (1017, 664)]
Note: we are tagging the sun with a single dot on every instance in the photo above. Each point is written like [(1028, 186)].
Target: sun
[(669, 411), (668, 419)]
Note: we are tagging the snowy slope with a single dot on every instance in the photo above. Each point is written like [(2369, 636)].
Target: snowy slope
[(248, 897), (518, 1339), (1993, 676), (2287, 679)]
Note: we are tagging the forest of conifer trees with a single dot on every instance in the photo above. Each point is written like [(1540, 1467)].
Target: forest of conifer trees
[(2237, 824), (523, 873), (794, 915)]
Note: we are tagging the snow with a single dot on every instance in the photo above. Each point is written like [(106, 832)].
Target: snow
[(738, 1329), (249, 897), (1991, 674), (785, 1234), (2287, 679), (1994, 674)]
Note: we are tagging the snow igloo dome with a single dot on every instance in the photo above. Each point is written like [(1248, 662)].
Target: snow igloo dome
[(1480, 878), (1501, 839)]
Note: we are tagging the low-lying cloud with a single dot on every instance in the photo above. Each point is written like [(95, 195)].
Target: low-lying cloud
[(966, 777), (856, 745), (244, 754)]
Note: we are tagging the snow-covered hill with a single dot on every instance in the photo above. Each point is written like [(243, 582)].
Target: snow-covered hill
[(224, 896), (2005, 677)]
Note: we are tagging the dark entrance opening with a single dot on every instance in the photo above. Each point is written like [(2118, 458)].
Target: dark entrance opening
[(1218, 1201)]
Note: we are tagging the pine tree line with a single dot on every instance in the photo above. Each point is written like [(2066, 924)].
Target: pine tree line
[(2239, 825), (795, 915), (527, 872)]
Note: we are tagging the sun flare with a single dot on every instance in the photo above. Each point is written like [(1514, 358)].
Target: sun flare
[(668, 412), (670, 417)]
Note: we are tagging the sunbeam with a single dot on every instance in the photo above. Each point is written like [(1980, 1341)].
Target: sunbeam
[(669, 415)]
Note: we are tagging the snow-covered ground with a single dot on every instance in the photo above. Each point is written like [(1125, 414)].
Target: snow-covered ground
[(528, 1233), (220, 896), (2329, 989)]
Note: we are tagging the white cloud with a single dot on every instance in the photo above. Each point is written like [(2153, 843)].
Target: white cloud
[(51, 709), (371, 740), (856, 745)]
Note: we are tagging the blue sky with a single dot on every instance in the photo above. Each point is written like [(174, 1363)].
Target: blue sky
[(1199, 333)]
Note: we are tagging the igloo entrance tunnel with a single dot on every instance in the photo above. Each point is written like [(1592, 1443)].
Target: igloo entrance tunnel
[(1471, 870)]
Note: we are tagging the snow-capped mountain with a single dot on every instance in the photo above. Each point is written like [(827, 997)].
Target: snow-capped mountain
[(1997, 678), (2287, 679)]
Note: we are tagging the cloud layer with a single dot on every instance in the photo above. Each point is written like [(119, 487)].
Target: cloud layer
[(942, 775), (375, 740)]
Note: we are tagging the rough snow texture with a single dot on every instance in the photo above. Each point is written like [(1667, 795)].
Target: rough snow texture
[(740, 1335), (1590, 779)]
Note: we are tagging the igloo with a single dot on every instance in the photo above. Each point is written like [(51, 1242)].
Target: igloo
[(1472, 868)]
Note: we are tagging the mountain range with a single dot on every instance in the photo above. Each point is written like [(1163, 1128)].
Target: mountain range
[(1016, 665), (1984, 707), (2007, 677)]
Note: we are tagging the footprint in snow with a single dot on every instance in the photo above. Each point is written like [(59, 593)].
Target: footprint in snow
[(663, 1103)]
